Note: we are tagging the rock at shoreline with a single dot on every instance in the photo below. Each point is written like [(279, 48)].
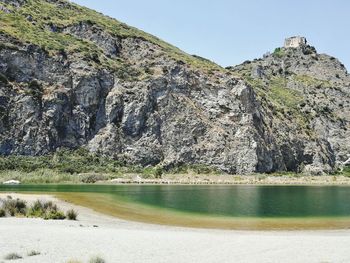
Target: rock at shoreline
[(12, 182)]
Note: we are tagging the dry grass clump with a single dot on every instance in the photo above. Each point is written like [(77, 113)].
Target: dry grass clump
[(41, 209), (71, 214), (97, 259), (2, 213), (73, 261), (33, 253), (13, 207), (46, 210), (12, 256)]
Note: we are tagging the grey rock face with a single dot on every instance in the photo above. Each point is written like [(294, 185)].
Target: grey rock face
[(90, 32), (174, 118)]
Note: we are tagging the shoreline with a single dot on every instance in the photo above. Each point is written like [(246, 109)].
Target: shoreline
[(118, 240), (236, 180), (186, 179)]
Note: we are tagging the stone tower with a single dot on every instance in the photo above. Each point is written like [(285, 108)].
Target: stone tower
[(294, 42)]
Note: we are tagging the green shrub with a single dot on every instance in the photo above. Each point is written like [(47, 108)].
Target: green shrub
[(12, 256), (2, 213), (36, 210), (158, 171), (72, 214), (54, 215), (308, 50), (150, 172), (279, 52), (46, 210), (346, 171)]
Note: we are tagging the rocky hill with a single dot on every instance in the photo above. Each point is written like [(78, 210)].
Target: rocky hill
[(71, 77), (305, 98)]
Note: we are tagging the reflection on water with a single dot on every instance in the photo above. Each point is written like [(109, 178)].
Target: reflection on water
[(231, 201)]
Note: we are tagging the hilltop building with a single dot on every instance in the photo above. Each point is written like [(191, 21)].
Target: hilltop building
[(294, 42)]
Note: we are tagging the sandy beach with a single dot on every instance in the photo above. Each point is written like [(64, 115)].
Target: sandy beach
[(117, 240)]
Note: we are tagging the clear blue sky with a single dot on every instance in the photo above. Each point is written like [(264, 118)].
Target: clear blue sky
[(231, 31)]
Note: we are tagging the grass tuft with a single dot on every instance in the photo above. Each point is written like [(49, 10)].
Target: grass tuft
[(96, 259), (45, 210), (73, 261), (12, 256), (71, 214), (33, 253)]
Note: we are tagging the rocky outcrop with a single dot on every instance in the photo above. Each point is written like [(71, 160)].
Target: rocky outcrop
[(179, 117), (306, 96), (16, 3), (141, 101), (88, 31)]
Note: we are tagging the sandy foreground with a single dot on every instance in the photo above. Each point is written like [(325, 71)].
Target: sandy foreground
[(117, 240)]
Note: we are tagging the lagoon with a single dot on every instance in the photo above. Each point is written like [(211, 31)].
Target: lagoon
[(212, 206)]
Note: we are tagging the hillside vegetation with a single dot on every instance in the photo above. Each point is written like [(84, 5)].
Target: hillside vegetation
[(40, 22)]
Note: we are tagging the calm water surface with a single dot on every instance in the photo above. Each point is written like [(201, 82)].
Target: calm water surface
[(228, 201)]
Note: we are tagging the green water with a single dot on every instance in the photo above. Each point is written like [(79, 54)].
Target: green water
[(232, 201)]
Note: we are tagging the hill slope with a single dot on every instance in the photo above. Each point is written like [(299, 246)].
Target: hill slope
[(71, 77)]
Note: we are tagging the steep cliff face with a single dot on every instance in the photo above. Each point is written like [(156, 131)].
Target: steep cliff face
[(306, 98), (70, 77)]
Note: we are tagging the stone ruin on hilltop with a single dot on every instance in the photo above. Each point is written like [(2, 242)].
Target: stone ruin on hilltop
[(294, 42)]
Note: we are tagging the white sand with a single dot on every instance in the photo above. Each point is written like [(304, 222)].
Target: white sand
[(122, 241)]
